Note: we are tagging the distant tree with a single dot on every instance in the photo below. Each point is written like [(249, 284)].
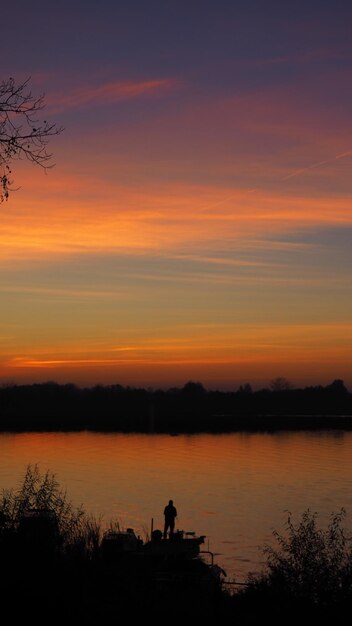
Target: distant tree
[(22, 134), (193, 389), (280, 384), (246, 388), (337, 387)]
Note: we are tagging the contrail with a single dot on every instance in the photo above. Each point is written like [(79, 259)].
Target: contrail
[(292, 175), (219, 203), (315, 165), (344, 154)]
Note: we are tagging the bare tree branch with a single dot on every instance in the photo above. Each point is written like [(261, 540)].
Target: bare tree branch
[(22, 134)]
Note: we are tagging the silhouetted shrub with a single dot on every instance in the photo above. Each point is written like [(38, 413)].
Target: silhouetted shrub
[(40, 497), (308, 574)]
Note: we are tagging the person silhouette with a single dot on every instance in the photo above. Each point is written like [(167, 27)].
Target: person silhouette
[(169, 513)]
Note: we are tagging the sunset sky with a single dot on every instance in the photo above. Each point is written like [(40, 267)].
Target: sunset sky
[(197, 224)]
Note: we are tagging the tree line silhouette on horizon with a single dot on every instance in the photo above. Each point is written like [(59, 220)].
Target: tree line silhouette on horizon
[(190, 408)]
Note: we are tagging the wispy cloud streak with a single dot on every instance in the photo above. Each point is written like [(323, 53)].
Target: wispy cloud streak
[(108, 93)]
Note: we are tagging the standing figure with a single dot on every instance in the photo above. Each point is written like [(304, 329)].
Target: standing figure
[(170, 513)]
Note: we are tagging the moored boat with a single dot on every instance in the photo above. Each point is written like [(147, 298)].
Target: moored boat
[(176, 560), (180, 544)]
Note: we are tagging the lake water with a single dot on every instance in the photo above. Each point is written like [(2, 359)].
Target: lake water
[(233, 488)]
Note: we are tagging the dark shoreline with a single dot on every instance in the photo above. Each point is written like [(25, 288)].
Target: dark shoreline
[(181, 425), (191, 409)]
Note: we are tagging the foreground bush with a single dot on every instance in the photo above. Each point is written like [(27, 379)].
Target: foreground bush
[(76, 531), (308, 575)]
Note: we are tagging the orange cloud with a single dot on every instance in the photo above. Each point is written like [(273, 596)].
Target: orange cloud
[(304, 366), (166, 219), (204, 344), (107, 93)]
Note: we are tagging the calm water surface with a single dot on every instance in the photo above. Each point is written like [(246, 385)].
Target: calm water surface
[(233, 488)]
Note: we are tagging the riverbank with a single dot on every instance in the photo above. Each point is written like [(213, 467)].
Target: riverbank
[(79, 585), (183, 423), (79, 588), (191, 409)]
